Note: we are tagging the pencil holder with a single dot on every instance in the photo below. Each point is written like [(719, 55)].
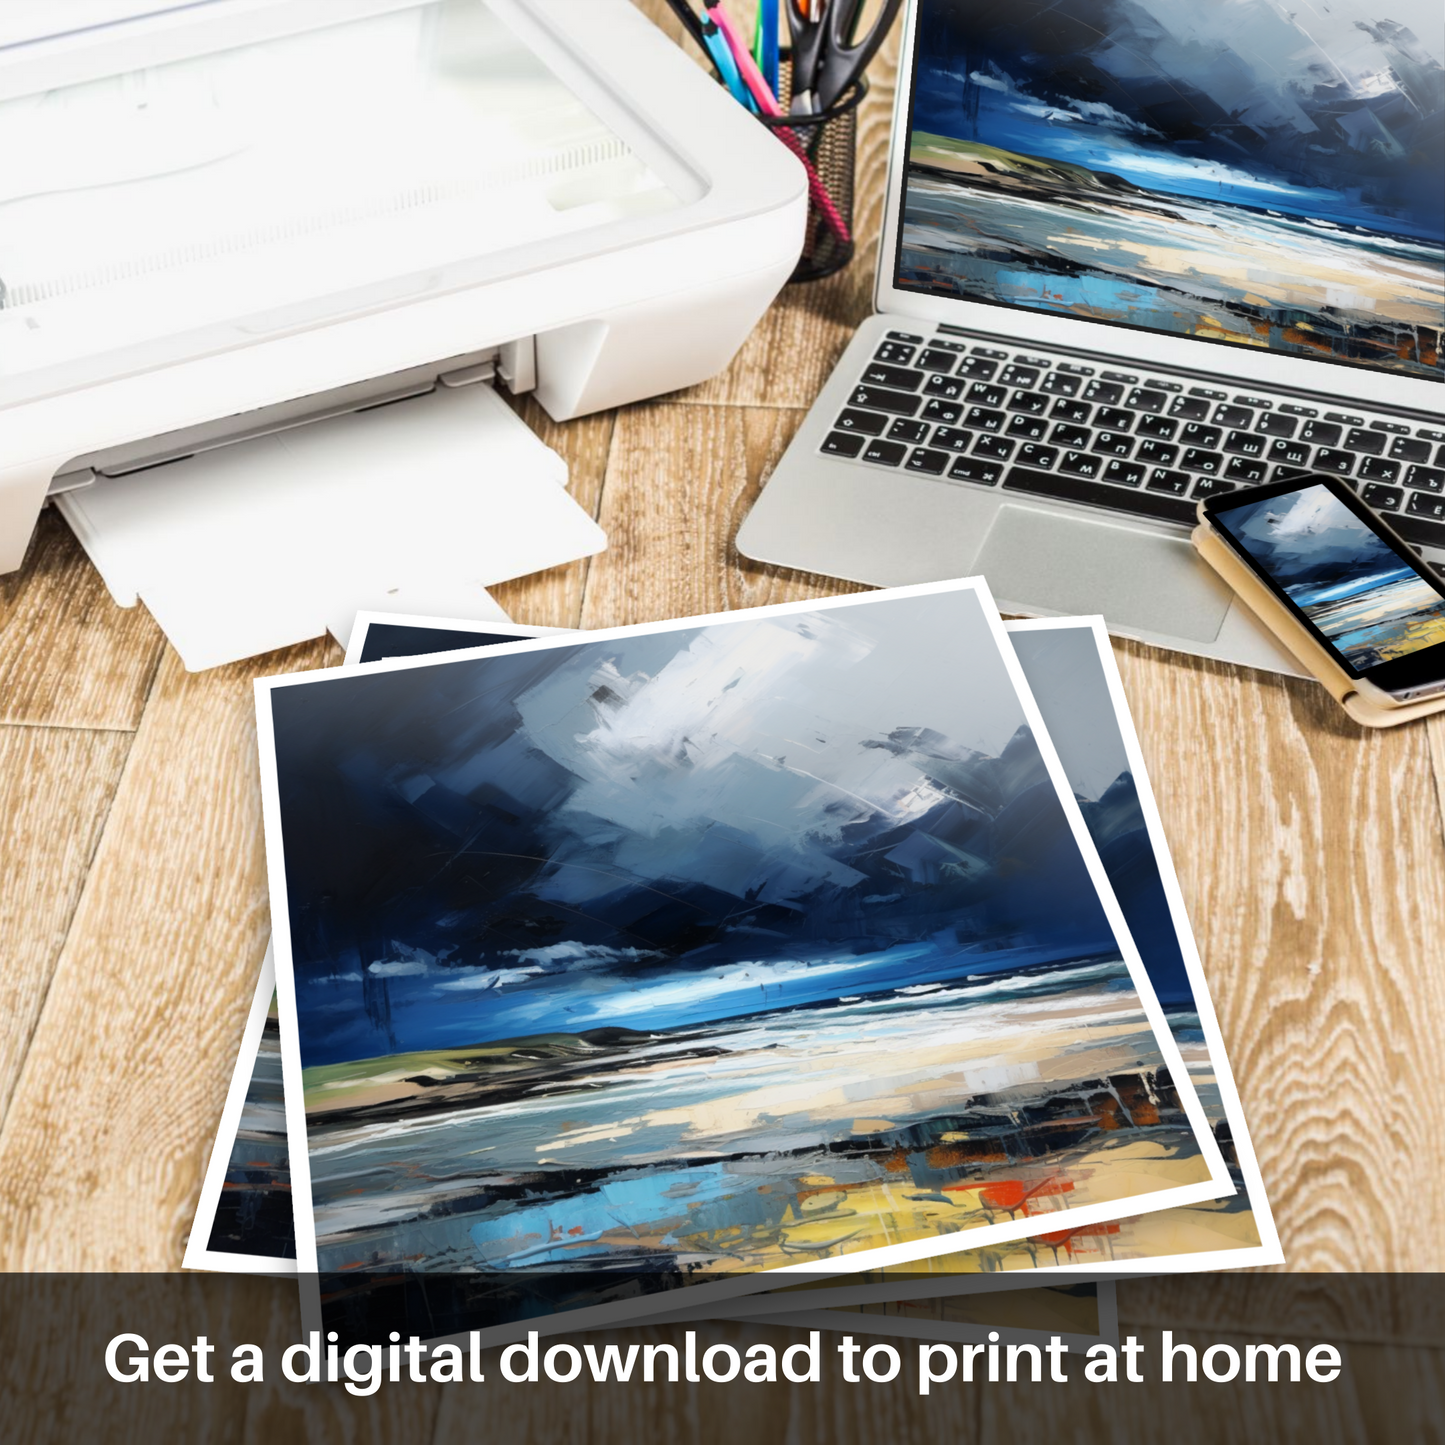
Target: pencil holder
[(826, 143)]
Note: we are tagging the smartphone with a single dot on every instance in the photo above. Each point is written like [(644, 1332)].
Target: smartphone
[(1336, 566)]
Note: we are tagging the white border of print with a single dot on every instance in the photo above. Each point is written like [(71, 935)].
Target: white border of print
[(364, 622), (198, 1254), (1216, 1186)]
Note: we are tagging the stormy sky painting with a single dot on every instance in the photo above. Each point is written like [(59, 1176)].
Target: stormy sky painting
[(703, 950), (1235, 170), (1370, 603)]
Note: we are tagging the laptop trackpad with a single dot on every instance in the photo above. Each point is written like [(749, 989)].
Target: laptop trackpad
[(1039, 559)]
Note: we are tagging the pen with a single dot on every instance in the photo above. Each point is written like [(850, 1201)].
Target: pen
[(767, 103), (765, 42)]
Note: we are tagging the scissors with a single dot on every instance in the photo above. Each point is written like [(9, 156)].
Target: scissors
[(827, 56)]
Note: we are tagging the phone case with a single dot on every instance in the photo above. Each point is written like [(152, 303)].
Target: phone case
[(1296, 637)]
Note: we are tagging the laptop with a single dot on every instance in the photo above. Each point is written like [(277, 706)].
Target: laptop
[(1135, 252)]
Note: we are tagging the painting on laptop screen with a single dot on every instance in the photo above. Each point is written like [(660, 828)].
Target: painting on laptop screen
[(1231, 170)]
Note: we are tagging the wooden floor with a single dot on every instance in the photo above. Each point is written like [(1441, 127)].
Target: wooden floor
[(133, 906)]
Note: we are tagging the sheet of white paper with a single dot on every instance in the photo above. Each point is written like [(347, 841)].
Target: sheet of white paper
[(416, 506)]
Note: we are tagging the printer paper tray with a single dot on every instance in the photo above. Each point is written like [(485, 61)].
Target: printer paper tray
[(417, 506)]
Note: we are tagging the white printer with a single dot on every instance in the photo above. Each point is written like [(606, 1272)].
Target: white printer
[(225, 220)]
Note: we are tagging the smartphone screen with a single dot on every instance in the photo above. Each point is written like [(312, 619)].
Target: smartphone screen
[(1354, 584)]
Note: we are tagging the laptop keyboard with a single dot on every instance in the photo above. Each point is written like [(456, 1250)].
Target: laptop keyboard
[(1141, 444)]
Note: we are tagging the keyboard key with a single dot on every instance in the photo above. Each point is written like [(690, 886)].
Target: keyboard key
[(1233, 415), (923, 459), (1156, 454), (1015, 375), (935, 360), (1429, 434), (948, 387), (1114, 418), (1382, 499), (1081, 464), (1070, 436), (987, 351), (843, 444), (1035, 403), (877, 398), (1100, 494), (1403, 449), (983, 419), (1321, 433), (1199, 460), (1212, 486), (1144, 398), (1158, 385), (1344, 418), (867, 422), (1204, 391), (1060, 383), (1040, 362), (877, 374), (905, 336), (982, 394), (944, 411), (1330, 459), (1427, 479), (1271, 424), (1372, 443), (1107, 392), (1156, 426), (1077, 370), (1076, 411), (1293, 410), (958, 347), (1163, 480), (999, 448), (954, 438), (1032, 456), (971, 469), (1127, 474), (1245, 444), (1244, 469), (1128, 378), (1195, 435), (1189, 408), (1377, 469), (978, 368), (1112, 444), (886, 454), (1253, 401), (895, 353), (1291, 454), (905, 430), (1440, 457), (1422, 504), (1395, 428), (1030, 427), (1419, 530)]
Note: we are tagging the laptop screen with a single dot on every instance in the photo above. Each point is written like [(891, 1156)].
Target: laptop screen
[(1238, 171)]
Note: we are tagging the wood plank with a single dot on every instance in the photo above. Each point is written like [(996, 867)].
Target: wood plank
[(116, 1106), (1311, 859), (554, 598), (679, 482), (69, 657), (56, 786)]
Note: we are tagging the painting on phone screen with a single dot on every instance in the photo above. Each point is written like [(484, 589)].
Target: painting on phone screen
[(1371, 605)]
